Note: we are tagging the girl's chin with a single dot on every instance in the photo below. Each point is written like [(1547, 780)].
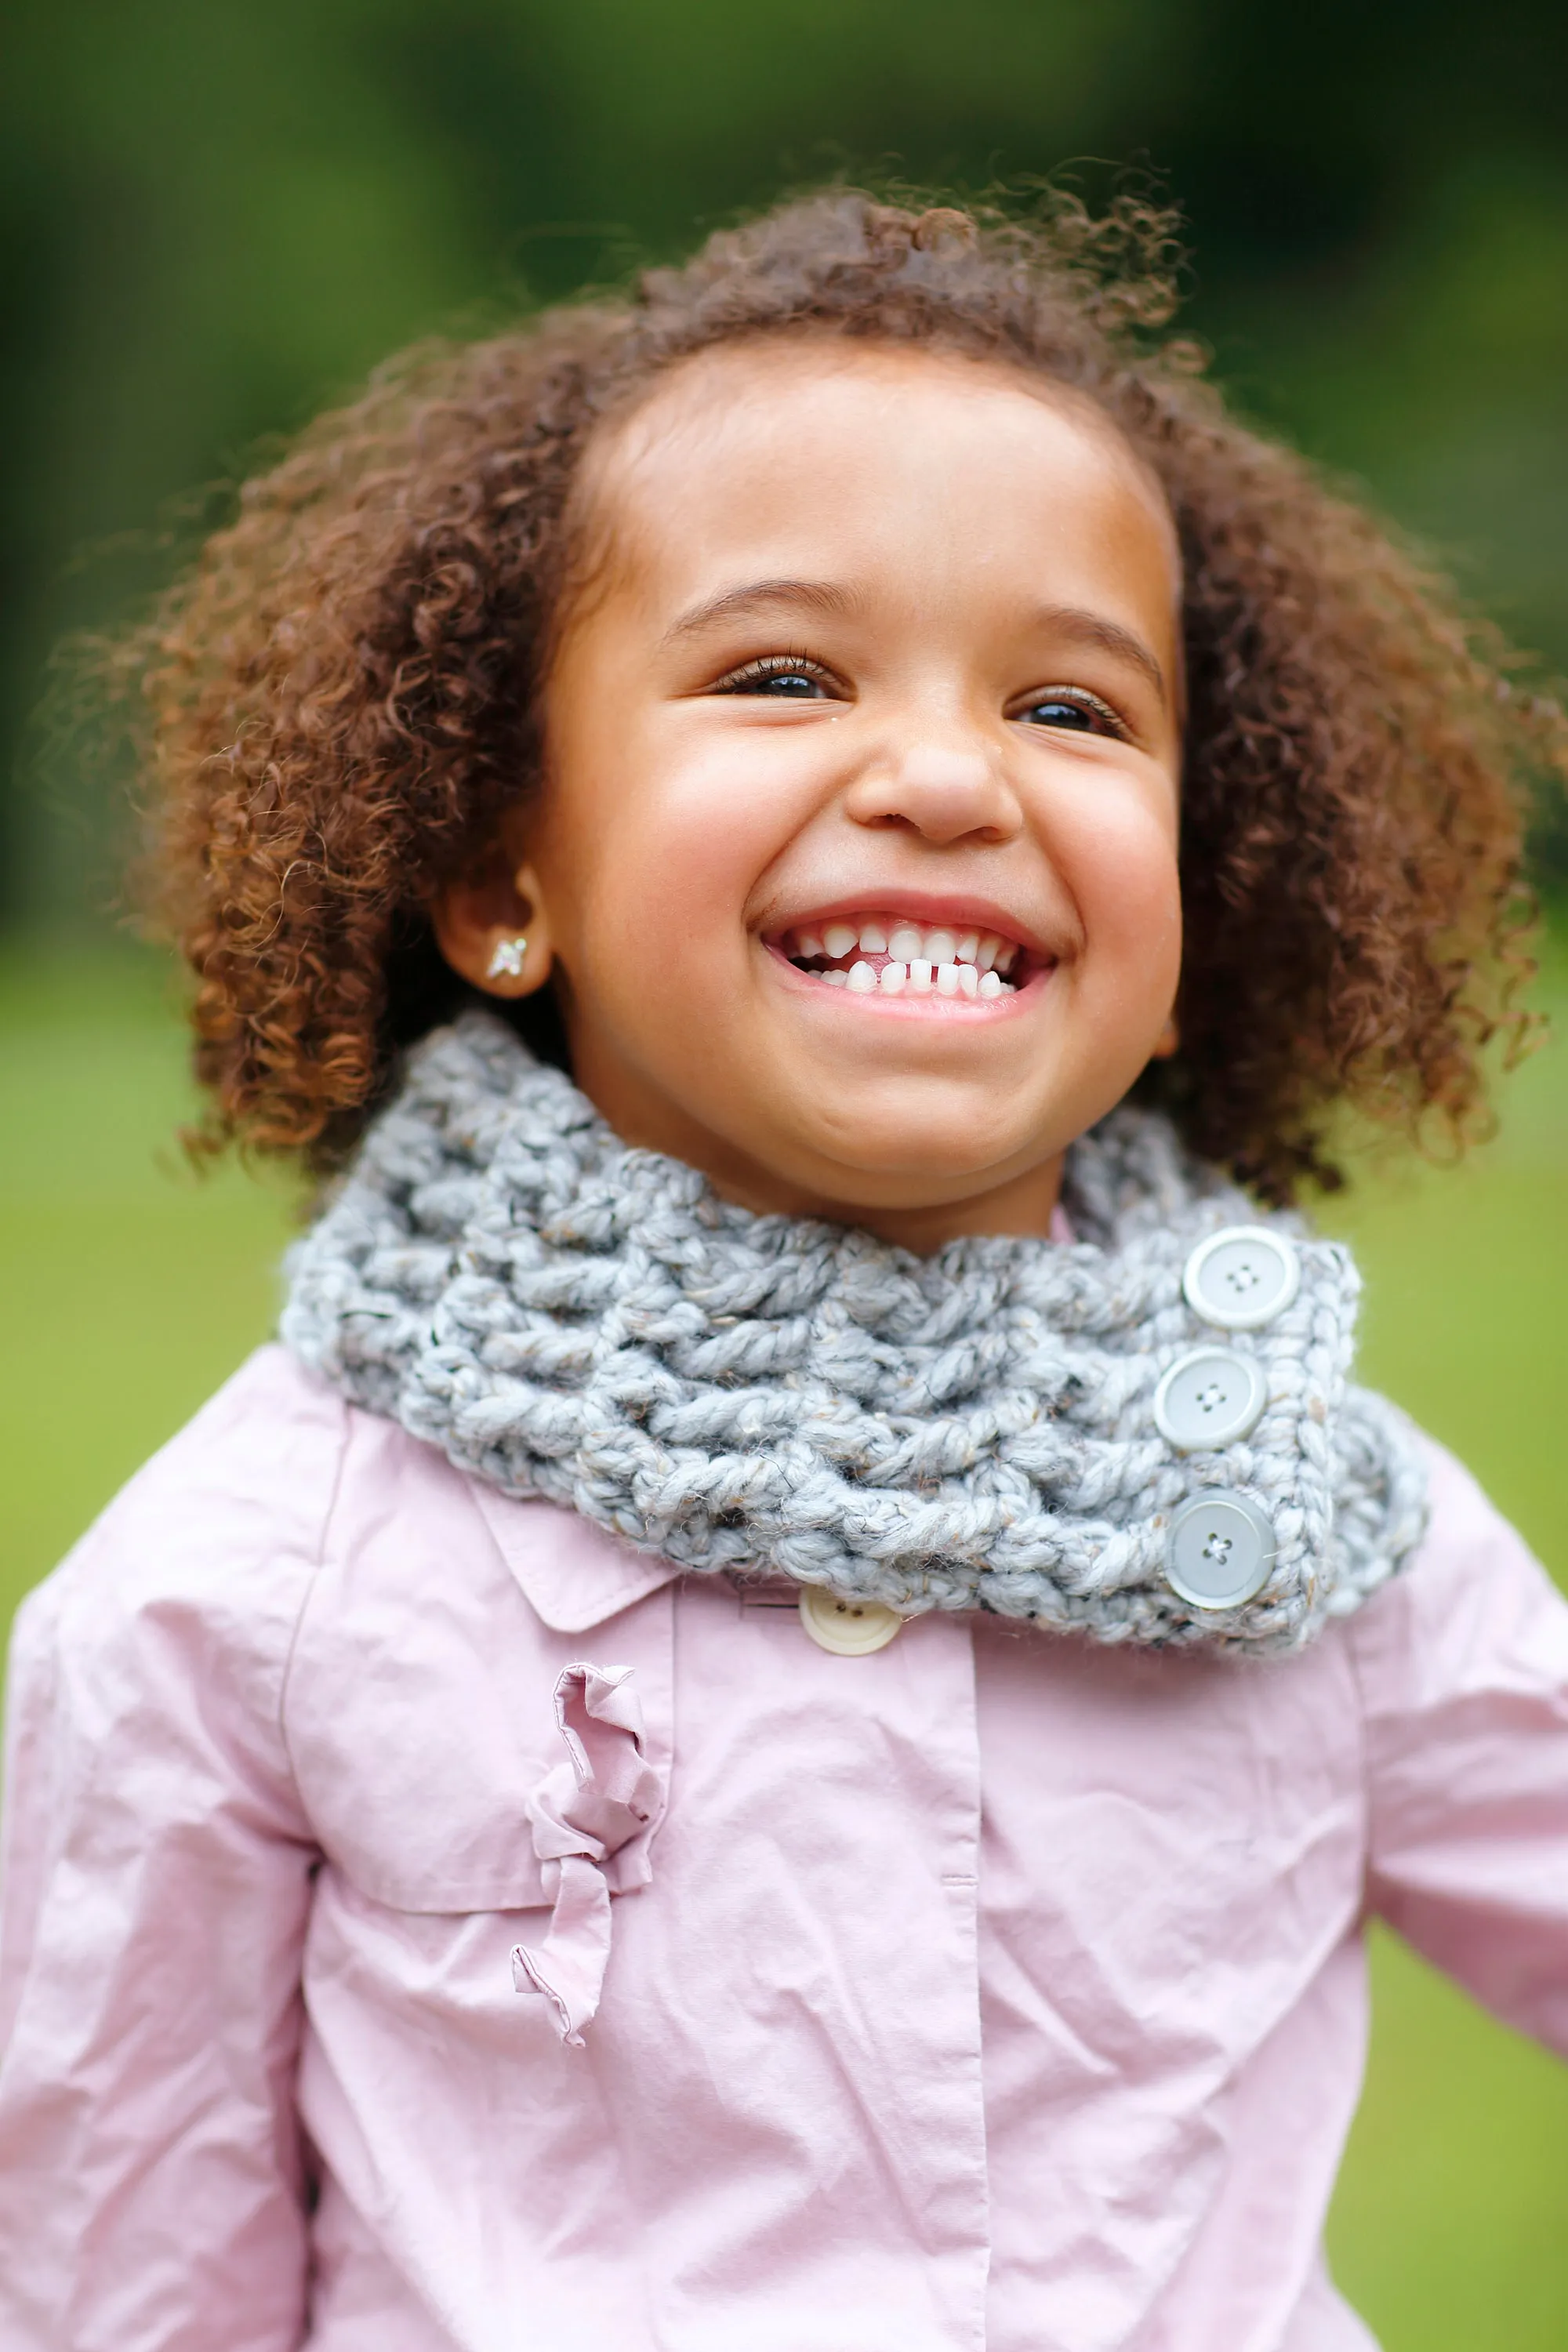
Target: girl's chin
[(914, 1156)]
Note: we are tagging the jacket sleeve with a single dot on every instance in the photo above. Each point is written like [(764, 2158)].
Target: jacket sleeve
[(1464, 1667), (156, 1883)]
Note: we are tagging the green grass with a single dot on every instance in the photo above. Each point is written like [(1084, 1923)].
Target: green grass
[(133, 1287)]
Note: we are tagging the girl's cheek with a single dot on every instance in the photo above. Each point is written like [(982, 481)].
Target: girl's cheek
[(659, 892), (1119, 862), (695, 838)]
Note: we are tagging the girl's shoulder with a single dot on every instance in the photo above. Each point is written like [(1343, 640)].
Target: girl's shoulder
[(234, 1503), (1475, 1611), (181, 1600)]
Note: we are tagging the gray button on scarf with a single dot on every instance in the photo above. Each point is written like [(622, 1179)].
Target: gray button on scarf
[(570, 1319)]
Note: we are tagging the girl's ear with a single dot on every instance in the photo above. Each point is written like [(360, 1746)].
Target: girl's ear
[(1166, 1042), (494, 932)]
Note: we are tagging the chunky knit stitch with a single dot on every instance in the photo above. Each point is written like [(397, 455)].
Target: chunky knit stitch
[(570, 1319)]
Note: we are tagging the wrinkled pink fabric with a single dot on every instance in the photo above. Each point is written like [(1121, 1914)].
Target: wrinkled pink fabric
[(604, 1794), (990, 1990)]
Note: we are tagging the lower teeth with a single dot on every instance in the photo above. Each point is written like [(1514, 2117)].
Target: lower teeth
[(944, 980)]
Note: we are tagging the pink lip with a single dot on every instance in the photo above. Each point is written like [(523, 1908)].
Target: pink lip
[(922, 906)]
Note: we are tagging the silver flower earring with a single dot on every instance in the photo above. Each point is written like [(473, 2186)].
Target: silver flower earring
[(507, 960)]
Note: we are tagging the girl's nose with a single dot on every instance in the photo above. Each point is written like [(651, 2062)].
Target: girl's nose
[(943, 791)]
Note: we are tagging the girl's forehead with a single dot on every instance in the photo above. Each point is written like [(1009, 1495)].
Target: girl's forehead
[(897, 450)]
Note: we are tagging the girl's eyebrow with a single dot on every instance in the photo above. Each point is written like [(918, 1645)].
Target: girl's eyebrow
[(1085, 628), (804, 596)]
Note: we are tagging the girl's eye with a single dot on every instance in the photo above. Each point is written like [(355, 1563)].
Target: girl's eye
[(782, 677), (1079, 712)]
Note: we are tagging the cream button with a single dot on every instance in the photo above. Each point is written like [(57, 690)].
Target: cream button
[(850, 1629), (1220, 1549), (1242, 1277), (1209, 1397)]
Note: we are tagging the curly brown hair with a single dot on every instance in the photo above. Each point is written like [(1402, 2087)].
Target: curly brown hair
[(341, 697)]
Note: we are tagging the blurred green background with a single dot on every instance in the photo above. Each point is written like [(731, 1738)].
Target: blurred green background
[(214, 216)]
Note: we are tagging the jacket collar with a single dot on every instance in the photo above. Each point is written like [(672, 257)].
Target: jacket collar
[(574, 1575)]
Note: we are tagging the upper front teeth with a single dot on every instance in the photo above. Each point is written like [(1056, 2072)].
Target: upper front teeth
[(907, 944)]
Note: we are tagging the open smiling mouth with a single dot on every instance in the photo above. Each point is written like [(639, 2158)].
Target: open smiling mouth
[(889, 955)]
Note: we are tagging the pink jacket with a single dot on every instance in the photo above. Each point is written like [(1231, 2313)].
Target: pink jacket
[(430, 1925)]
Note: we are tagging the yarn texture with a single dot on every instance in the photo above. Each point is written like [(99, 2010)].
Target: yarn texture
[(570, 1319)]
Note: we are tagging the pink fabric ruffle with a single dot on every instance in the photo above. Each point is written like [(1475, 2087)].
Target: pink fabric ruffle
[(583, 1811)]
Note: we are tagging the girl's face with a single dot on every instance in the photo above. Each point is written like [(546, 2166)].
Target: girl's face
[(856, 856)]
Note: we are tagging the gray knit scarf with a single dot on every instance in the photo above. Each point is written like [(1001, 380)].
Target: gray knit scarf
[(570, 1319)]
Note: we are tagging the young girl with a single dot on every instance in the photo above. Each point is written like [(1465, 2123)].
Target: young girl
[(773, 1722)]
